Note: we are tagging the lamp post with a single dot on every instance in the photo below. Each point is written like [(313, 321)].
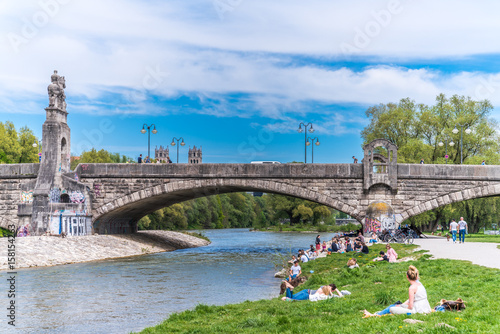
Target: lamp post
[(300, 130), (467, 131), (311, 141), (182, 144), (446, 146), (37, 144), (144, 126)]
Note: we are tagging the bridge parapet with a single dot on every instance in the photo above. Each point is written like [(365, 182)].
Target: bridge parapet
[(292, 171), (18, 171), (449, 172)]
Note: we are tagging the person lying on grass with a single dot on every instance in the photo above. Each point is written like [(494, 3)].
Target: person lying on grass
[(417, 298), (307, 294)]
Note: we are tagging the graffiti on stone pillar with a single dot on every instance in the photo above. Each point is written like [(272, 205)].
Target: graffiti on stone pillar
[(55, 195), (97, 189), (76, 197), (27, 196), (23, 231)]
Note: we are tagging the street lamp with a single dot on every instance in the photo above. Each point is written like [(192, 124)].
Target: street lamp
[(309, 141), (300, 130), (467, 131), (182, 144), (37, 144), (144, 126), (446, 146)]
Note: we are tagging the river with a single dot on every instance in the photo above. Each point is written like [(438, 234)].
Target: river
[(128, 294)]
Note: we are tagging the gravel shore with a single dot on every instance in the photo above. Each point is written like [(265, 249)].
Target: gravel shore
[(51, 251)]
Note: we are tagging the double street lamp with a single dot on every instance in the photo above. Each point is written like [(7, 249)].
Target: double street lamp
[(311, 141), (446, 146), (181, 144), (144, 126), (467, 131), (300, 130)]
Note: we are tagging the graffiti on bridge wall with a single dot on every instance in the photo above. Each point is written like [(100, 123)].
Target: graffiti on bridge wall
[(27, 196), (23, 231)]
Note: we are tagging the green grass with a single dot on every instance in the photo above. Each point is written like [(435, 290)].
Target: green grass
[(373, 286)]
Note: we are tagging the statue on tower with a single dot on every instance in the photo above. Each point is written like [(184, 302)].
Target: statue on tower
[(57, 98)]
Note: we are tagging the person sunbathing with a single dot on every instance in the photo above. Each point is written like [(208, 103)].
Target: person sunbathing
[(307, 293)]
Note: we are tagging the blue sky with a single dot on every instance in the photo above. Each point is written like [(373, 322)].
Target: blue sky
[(238, 76)]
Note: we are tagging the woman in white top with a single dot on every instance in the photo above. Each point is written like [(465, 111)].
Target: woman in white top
[(417, 296)]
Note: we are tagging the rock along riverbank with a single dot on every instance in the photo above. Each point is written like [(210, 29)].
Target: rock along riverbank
[(51, 251)]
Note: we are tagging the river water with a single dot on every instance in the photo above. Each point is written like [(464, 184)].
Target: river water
[(126, 295)]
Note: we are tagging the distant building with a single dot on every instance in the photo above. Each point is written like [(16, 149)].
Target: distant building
[(162, 154), (194, 155)]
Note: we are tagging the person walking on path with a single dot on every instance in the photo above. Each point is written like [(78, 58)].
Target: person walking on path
[(422, 161), (453, 229), (354, 159), (462, 229), (139, 160)]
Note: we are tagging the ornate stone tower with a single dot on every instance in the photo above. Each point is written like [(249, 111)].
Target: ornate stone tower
[(59, 200), (162, 154), (194, 155)]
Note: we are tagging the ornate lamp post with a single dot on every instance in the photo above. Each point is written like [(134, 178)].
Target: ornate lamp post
[(311, 141), (144, 126), (182, 144), (467, 131), (300, 130), (37, 144), (446, 146)]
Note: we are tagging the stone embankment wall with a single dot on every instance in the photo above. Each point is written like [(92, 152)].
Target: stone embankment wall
[(41, 251)]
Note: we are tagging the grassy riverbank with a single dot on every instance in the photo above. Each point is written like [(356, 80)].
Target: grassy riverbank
[(373, 286)]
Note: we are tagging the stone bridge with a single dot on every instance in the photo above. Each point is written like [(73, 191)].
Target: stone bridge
[(111, 198), (120, 194), (125, 192)]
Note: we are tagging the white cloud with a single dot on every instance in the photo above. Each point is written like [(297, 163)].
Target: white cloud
[(114, 48)]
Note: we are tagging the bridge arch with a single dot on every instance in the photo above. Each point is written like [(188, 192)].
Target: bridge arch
[(453, 197), (125, 211)]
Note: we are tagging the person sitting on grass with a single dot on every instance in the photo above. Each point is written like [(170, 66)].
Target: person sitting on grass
[(357, 245), (307, 294), (323, 247), (417, 298), (292, 261), (364, 248), (382, 257), (391, 253), (303, 257), (295, 271), (348, 246), (373, 240), (333, 247), (341, 247), (352, 263)]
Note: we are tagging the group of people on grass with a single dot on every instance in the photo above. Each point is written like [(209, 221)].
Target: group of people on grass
[(337, 245)]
